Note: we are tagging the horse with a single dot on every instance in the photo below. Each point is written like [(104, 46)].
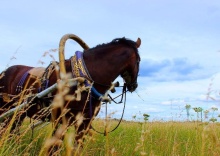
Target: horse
[(99, 65)]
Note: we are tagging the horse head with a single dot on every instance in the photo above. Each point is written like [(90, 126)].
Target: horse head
[(131, 72), (106, 62)]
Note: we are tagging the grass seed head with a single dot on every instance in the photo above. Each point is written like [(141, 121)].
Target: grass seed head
[(79, 119)]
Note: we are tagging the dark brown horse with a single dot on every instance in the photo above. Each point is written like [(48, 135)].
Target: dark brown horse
[(102, 65)]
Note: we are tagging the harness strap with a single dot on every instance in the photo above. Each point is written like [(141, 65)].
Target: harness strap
[(21, 82), (46, 75), (78, 66), (113, 99), (79, 70), (95, 93)]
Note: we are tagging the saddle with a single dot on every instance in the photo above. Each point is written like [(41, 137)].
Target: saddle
[(41, 75), (36, 72)]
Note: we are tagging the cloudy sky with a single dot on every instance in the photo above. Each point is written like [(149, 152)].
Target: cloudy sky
[(180, 48)]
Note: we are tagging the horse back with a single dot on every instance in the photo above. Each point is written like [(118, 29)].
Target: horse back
[(10, 80)]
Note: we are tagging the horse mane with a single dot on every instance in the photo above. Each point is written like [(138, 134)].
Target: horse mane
[(119, 41), (127, 42), (124, 41)]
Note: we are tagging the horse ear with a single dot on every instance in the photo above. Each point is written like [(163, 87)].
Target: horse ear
[(138, 42)]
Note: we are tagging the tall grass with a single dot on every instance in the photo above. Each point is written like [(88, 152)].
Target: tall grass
[(162, 138), (131, 138)]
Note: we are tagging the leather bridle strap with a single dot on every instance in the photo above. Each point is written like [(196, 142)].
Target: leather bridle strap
[(122, 95), (106, 132)]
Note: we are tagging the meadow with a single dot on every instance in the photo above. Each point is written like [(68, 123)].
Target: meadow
[(130, 138)]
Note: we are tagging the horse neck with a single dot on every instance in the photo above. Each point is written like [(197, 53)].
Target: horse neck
[(68, 66), (105, 65)]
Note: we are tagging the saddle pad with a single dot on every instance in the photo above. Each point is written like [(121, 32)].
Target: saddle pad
[(37, 71)]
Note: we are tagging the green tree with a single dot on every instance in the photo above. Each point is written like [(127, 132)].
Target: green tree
[(206, 112), (134, 117), (146, 117), (213, 111), (198, 110), (213, 119), (188, 107)]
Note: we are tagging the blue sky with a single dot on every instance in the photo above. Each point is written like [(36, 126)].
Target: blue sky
[(180, 48)]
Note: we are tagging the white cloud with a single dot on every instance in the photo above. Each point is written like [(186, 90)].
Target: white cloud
[(174, 102)]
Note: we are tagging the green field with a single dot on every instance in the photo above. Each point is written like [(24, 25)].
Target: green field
[(131, 138)]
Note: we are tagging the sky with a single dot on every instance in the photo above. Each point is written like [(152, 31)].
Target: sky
[(180, 48)]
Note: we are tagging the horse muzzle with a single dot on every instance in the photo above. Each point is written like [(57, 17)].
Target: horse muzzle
[(132, 87)]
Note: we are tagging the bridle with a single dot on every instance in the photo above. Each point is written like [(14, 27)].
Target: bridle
[(125, 75)]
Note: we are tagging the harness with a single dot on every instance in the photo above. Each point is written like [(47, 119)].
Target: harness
[(19, 87), (37, 73), (78, 70), (78, 66), (46, 75)]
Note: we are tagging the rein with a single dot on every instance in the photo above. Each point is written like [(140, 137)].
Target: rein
[(79, 70), (123, 95)]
